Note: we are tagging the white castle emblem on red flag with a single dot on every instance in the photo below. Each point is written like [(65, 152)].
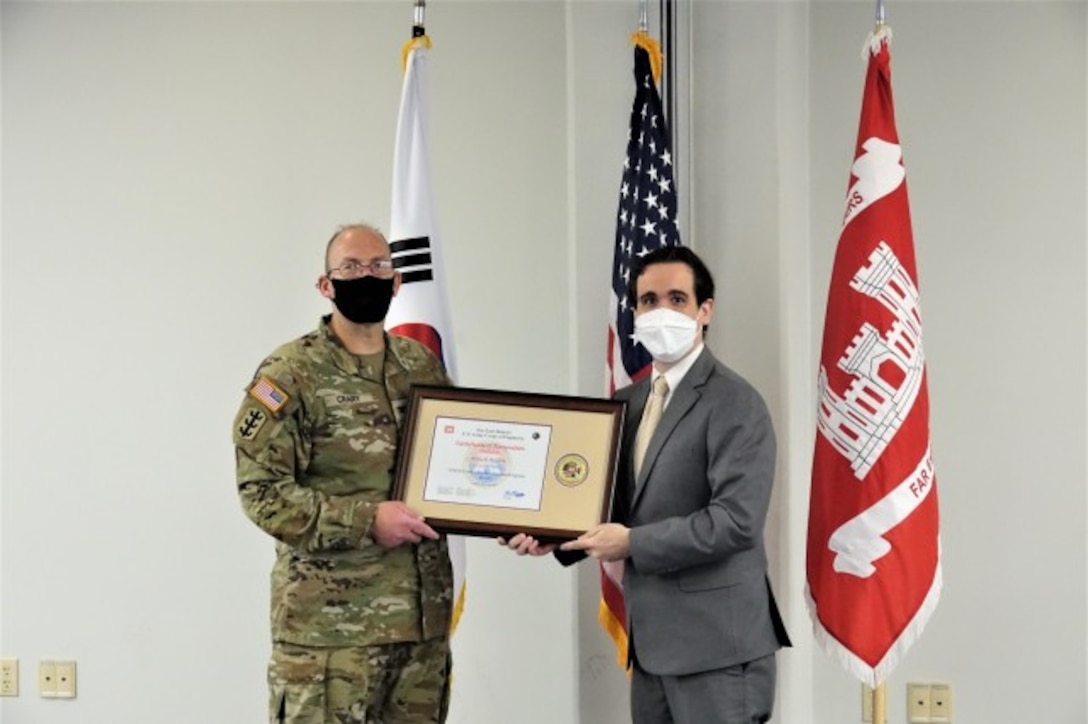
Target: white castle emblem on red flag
[(887, 368)]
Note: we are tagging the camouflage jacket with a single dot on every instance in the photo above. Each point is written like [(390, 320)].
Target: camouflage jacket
[(315, 442)]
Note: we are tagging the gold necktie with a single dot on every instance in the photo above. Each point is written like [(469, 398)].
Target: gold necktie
[(650, 417)]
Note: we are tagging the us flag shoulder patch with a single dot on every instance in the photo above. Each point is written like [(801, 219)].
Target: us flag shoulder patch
[(268, 394)]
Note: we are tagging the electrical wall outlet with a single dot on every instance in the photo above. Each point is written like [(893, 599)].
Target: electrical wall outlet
[(919, 698), (47, 679), (57, 679), (866, 703), (940, 703), (9, 677), (66, 679)]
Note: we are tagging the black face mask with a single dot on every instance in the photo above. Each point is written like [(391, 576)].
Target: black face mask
[(364, 300)]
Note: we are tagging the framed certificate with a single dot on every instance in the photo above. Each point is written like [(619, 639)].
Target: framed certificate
[(493, 463)]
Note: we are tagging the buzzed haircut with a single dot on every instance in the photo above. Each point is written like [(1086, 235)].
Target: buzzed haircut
[(350, 227)]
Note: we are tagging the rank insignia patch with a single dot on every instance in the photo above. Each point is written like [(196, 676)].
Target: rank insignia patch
[(251, 424), (266, 392)]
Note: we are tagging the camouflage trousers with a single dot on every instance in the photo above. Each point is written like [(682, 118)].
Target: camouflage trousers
[(401, 683)]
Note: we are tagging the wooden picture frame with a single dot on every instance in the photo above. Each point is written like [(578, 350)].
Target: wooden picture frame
[(495, 463)]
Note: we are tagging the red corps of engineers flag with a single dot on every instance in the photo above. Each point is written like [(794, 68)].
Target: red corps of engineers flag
[(873, 566)]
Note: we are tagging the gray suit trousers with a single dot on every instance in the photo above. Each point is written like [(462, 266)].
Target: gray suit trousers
[(741, 694)]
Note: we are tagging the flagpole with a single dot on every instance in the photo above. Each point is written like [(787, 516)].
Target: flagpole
[(879, 13), (643, 16), (419, 15), (878, 704)]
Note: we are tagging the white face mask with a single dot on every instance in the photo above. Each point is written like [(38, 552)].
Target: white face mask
[(666, 334)]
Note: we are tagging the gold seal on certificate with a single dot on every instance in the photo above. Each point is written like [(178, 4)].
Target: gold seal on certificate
[(571, 470), (487, 462)]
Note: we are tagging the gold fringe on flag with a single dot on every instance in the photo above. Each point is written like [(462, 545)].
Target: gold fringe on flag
[(643, 40), (458, 608), (616, 631), (422, 41)]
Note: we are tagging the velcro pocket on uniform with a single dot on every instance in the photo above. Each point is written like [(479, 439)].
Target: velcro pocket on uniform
[(296, 682)]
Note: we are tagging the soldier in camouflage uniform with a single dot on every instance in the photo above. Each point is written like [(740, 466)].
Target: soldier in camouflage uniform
[(362, 587)]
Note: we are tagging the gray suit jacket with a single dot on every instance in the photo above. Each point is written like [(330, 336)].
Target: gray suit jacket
[(695, 584)]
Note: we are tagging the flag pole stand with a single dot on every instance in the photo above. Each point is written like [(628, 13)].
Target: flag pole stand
[(878, 704)]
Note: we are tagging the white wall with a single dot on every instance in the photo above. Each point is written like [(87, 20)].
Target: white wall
[(601, 90), (991, 108), (171, 170), (991, 101)]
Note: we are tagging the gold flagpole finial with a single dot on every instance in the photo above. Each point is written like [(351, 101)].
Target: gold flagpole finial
[(643, 40)]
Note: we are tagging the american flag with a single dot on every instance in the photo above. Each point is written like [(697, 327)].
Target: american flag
[(267, 393), (646, 220)]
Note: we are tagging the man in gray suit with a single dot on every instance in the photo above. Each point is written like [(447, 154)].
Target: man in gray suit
[(692, 491)]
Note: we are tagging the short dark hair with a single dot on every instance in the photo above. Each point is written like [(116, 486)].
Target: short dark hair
[(704, 282)]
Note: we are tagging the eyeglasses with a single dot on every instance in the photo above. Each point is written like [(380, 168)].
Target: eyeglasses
[(354, 269)]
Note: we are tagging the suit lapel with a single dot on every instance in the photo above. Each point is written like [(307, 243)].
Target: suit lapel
[(683, 399)]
